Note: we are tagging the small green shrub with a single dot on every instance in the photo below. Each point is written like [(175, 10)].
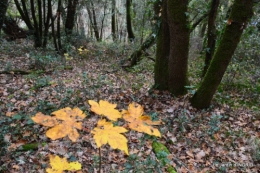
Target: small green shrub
[(214, 123)]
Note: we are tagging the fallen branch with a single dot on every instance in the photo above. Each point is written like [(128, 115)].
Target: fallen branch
[(23, 72), (136, 55)]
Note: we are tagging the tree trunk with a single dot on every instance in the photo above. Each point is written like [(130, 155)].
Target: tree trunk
[(179, 45), (93, 21), (211, 34), (53, 28), (24, 14), (70, 19), (3, 9), (240, 14), (47, 23), (39, 3), (113, 20), (103, 19), (58, 26), (129, 21), (37, 38), (161, 72)]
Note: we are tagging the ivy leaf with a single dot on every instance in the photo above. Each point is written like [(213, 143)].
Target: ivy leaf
[(138, 121), (58, 165), (68, 124), (105, 108), (105, 133)]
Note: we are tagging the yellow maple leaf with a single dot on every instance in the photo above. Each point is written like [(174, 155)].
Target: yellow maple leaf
[(105, 108), (67, 126), (58, 165), (138, 121), (105, 133)]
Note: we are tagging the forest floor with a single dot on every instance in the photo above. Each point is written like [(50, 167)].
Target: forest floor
[(223, 138)]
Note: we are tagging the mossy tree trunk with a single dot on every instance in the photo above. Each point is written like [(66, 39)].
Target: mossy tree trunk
[(211, 34), (240, 14), (129, 28), (162, 51), (3, 8), (179, 45)]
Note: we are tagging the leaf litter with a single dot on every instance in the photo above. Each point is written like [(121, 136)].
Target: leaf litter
[(220, 138)]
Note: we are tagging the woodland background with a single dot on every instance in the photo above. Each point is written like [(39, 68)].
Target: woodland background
[(193, 65)]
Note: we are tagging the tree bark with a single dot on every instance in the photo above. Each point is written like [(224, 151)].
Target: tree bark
[(161, 72), (47, 22), (58, 26), (129, 21), (39, 3), (24, 14), (103, 19), (3, 9), (53, 29), (37, 39), (70, 19), (241, 12), (113, 20), (211, 34), (93, 20), (179, 45)]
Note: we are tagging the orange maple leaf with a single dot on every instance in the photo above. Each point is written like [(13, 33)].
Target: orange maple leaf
[(45, 120), (105, 133), (138, 121), (67, 126), (105, 108)]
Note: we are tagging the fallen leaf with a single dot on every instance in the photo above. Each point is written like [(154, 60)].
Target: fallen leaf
[(105, 108), (138, 121), (105, 133)]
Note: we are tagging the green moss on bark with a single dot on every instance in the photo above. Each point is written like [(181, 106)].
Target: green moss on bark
[(241, 12)]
